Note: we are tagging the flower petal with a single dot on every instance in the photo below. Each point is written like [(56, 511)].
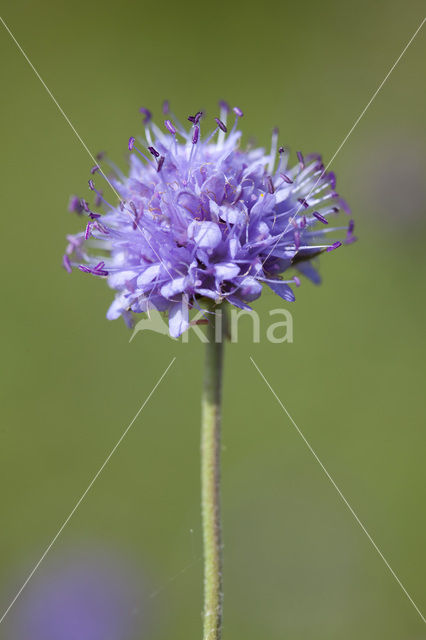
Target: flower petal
[(178, 318), (207, 235), (226, 270), (282, 289), (148, 275), (120, 278), (173, 287)]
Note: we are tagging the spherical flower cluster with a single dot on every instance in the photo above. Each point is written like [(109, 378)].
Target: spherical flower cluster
[(200, 217)]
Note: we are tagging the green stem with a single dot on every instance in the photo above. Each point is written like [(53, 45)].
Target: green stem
[(210, 477)]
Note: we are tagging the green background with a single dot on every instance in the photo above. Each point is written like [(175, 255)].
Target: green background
[(297, 565)]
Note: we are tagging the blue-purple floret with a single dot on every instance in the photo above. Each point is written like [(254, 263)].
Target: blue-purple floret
[(199, 218)]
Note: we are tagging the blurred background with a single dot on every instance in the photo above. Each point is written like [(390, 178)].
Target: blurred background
[(296, 563)]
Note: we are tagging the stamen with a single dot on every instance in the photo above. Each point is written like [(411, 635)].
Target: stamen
[(286, 178), (238, 112), (335, 245), (296, 240), (196, 134), (169, 126), (331, 177), (102, 228), (269, 184), (319, 217), (75, 205), (154, 152), (147, 113), (131, 142), (94, 169), (221, 125), (301, 159), (91, 185), (66, 263), (88, 231), (195, 119), (296, 281), (160, 163), (303, 202)]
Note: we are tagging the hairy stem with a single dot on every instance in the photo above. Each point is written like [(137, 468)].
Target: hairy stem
[(210, 476)]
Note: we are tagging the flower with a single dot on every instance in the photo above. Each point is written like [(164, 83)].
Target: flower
[(84, 594), (199, 217)]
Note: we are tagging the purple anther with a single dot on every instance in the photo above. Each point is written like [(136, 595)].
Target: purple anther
[(296, 281), (100, 227), (195, 119), (66, 263), (238, 112), (281, 150), (344, 205), (303, 202), (301, 159), (332, 179), (160, 163), (196, 134), (94, 216), (221, 125), (94, 169), (335, 245), (351, 226), (286, 178), (88, 231), (269, 184), (131, 143), (75, 205), (169, 126), (91, 185), (154, 152), (319, 217), (296, 240), (147, 113)]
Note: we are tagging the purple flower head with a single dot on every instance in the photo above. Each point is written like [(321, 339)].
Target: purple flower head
[(199, 217), (84, 595)]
